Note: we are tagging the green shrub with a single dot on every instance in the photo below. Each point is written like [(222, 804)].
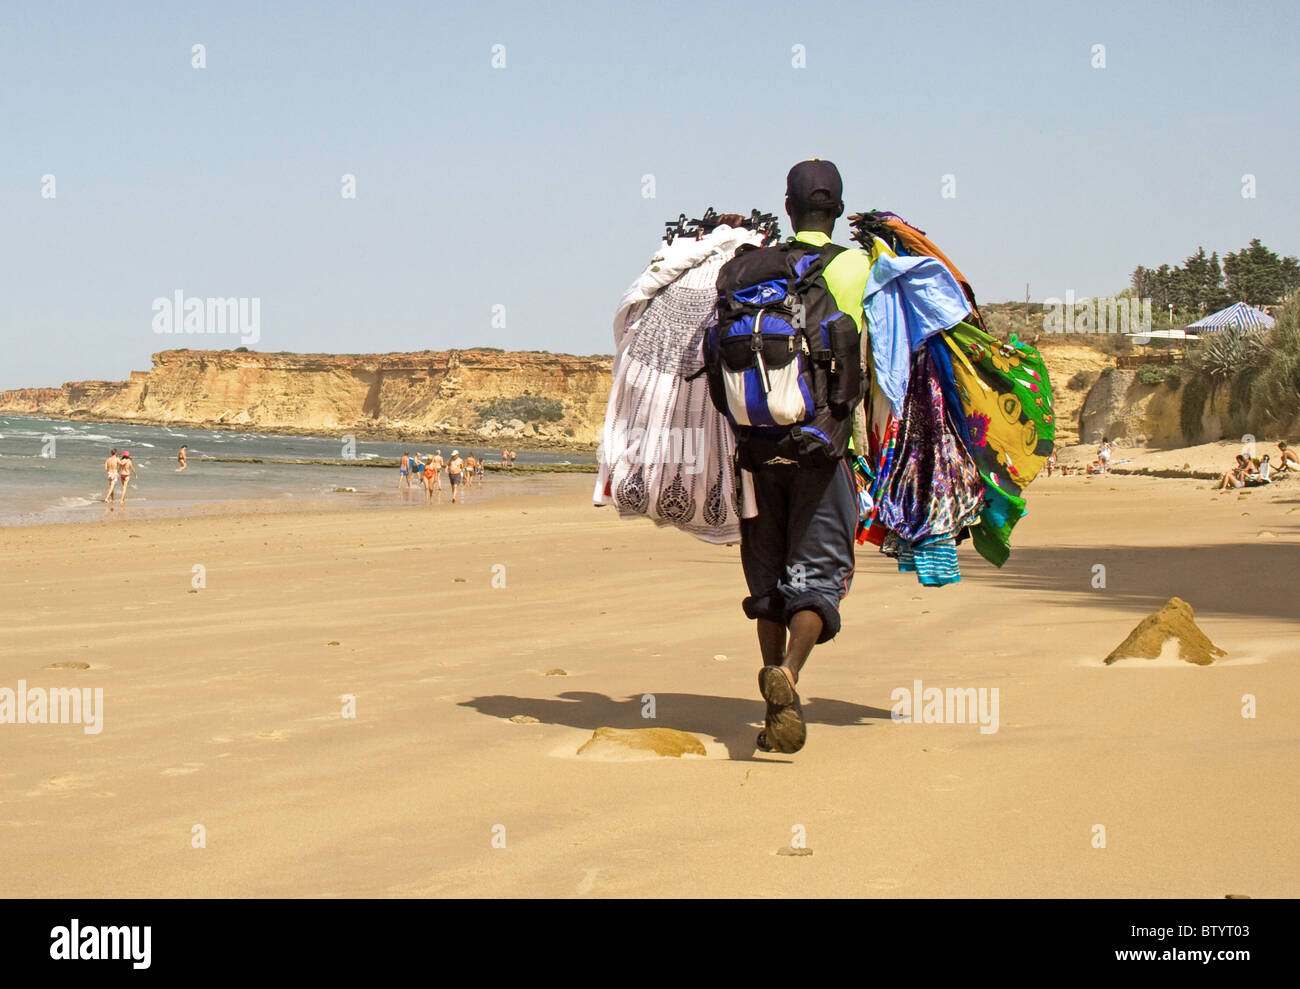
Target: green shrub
[(1275, 390), (1151, 374), (1223, 355), (1191, 406), (1158, 374), (1239, 412)]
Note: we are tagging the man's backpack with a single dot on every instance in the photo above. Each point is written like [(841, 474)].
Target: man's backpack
[(784, 365)]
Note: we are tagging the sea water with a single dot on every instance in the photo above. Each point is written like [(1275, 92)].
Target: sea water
[(53, 471)]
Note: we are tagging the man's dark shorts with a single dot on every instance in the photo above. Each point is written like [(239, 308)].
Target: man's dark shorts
[(798, 551)]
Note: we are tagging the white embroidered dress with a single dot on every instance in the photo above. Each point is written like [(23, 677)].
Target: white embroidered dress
[(666, 453)]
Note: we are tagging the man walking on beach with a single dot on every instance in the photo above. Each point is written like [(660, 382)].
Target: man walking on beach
[(454, 468), (797, 552)]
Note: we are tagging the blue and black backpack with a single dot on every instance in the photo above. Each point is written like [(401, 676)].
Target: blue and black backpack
[(784, 365)]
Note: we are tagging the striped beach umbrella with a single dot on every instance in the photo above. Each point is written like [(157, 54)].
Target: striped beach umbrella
[(1238, 314)]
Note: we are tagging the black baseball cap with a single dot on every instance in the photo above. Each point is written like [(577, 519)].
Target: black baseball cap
[(815, 183)]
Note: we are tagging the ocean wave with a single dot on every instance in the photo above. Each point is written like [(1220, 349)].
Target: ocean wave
[(76, 502)]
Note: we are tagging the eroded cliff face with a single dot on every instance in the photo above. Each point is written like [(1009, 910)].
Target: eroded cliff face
[(1120, 407), (429, 393), (28, 401)]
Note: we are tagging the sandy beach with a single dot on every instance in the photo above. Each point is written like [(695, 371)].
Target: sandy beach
[(223, 713)]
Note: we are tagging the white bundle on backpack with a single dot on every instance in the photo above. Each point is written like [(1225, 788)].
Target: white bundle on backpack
[(666, 453)]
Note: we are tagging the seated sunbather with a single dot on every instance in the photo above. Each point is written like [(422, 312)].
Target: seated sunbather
[(1235, 477), (1261, 475), (1289, 462)]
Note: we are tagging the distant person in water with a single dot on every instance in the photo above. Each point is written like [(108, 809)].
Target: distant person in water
[(404, 470), (429, 474), (505, 458), (438, 465), (180, 458), (110, 466), (125, 471), (512, 458), (467, 473), (454, 468)]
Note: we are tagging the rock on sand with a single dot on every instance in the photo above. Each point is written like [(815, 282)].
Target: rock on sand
[(1173, 623), (641, 743)]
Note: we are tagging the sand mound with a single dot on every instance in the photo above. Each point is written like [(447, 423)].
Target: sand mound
[(641, 743), (1174, 624)]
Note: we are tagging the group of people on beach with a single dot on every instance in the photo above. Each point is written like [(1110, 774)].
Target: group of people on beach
[(121, 468), (1255, 471), (1099, 466), (461, 472)]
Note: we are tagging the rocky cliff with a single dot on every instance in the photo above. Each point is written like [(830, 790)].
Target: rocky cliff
[(539, 399), (1121, 407)]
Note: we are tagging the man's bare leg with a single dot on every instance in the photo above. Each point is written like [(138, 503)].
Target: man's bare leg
[(771, 641), (805, 629), (789, 650)]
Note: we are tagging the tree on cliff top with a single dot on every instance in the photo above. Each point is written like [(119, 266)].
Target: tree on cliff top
[(1254, 275)]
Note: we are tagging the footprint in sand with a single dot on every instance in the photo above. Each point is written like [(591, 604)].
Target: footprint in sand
[(60, 784), (189, 767), (67, 666), (274, 735)]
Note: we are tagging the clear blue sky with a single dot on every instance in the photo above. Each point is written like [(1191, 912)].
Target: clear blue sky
[(522, 186)]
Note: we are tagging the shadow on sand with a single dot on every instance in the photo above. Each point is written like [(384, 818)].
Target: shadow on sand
[(1256, 578), (726, 720)]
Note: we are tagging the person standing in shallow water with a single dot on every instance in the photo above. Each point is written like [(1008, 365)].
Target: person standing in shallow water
[(180, 458), (454, 467), (125, 471), (111, 465)]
